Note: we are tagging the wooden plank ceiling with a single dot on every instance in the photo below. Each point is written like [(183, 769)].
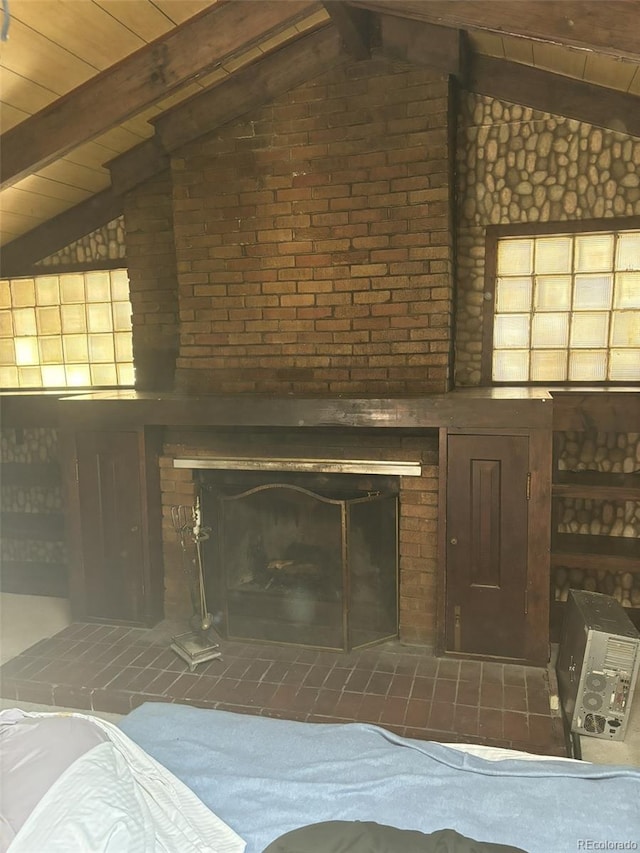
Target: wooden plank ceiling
[(84, 83)]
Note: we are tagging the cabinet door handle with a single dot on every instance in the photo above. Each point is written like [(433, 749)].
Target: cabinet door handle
[(453, 541), (134, 529)]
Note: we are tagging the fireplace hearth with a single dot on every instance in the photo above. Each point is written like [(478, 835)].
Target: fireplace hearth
[(307, 559)]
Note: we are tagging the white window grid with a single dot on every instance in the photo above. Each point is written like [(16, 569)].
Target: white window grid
[(567, 308), (67, 330)]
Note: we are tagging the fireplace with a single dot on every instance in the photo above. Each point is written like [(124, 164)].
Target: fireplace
[(335, 464), (303, 558)]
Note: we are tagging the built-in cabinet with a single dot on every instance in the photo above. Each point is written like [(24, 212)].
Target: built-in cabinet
[(115, 524), (494, 572), (539, 491)]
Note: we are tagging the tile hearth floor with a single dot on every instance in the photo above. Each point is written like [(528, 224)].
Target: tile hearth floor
[(402, 688)]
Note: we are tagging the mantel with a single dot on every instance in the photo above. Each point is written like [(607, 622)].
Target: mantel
[(396, 467), (493, 408), (469, 408)]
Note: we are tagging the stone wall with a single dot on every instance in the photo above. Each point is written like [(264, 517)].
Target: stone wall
[(518, 165), (591, 450), (106, 243), (27, 446), (605, 453)]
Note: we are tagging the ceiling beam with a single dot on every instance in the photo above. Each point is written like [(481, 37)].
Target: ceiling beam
[(136, 82), (420, 43), (354, 25), (250, 88), (554, 93), (18, 257), (610, 27), (137, 165)]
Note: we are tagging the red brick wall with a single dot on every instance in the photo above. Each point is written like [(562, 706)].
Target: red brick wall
[(312, 241), (418, 502), (151, 260), (307, 249)]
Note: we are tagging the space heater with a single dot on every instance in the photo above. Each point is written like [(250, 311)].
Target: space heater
[(597, 666)]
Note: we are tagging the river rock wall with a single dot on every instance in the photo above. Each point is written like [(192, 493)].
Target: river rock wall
[(519, 165), (104, 244), (605, 453)]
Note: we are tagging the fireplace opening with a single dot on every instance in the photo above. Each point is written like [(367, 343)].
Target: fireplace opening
[(304, 559)]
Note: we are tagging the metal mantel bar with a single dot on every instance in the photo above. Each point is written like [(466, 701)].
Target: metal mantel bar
[(324, 466)]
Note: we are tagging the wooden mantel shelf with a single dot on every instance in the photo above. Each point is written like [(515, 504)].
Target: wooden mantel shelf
[(493, 408), (479, 408)]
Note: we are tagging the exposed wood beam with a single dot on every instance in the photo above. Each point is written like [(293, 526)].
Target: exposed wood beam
[(258, 84), (556, 94), (252, 87), (18, 257), (354, 25), (420, 43), (610, 27), (137, 165), (136, 82)]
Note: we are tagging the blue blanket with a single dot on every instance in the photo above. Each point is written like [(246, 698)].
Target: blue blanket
[(265, 777)]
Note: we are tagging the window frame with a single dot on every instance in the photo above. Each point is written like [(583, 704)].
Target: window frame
[(106, 265), (493, 234)]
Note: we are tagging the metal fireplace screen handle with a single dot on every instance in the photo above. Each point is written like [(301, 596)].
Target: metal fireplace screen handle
[(200, 534), (182, 520)]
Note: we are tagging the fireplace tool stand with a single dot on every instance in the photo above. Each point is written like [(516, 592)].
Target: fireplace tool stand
[(194, 646)]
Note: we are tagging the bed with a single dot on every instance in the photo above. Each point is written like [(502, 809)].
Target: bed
[(246, 780)]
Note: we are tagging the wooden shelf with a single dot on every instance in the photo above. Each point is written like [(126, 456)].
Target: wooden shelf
[(47, 527), (597, 486), (596, 493), (28, 474), (613, 553)]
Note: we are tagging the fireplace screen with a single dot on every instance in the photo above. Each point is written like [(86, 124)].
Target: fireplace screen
[(289, 564)]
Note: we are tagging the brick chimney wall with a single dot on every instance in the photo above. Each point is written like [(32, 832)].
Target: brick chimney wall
[(307, 249), (153, 285), (313, 241)]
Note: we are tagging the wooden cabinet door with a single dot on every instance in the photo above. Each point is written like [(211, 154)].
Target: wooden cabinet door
[(111, 507), (487, 521)]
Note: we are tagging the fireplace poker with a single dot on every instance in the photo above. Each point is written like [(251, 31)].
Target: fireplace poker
[(194, 646)]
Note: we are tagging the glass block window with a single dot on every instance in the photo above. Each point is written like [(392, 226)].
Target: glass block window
[(567, 308), (67, 330)]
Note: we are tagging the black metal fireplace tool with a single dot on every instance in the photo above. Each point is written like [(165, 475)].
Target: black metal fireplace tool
[(195, 646)]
